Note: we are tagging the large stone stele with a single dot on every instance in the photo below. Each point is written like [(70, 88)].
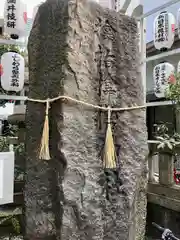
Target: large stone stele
[(77, 48)]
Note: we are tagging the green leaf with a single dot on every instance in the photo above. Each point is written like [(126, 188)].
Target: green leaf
[(160, 138), (173, 91), (177, 144), (16, 224), (161, 145), (172, 140), (169, 145), (4, 219), (166, 136)]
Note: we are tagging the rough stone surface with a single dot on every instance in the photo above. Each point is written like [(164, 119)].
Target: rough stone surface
[(79, 49)]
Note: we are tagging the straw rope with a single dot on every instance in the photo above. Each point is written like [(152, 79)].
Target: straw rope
[(44, 149), (109, 159), (50, 100)]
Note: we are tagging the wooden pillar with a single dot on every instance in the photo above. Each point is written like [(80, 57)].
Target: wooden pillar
[(21, 132), (150, 166), (150, 163), (178, 119), (20, 156), (166, 169)]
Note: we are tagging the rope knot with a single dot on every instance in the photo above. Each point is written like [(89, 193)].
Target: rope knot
[(109, 114), (47, 106), (109, 160)]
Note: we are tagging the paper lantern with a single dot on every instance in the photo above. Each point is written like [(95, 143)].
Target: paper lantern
[(164, 30), (161, 74), (178, 22), (13, 67), (15, 18)]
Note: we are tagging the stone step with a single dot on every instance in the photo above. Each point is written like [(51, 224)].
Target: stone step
[(168, 197)]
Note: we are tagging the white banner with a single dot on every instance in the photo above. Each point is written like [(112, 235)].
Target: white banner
[(6, 177)]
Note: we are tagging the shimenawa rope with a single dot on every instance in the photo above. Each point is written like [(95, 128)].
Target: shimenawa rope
[(109, 160), (44, 149)]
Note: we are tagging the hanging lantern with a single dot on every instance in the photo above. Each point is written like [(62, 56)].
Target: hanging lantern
[(164, 30), (13, 68), (15, 18), (178, 22), (161, 75)]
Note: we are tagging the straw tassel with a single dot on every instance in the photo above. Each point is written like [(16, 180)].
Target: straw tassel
[(44, 150), (109, 160)]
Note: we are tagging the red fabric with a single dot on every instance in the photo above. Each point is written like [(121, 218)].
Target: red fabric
[(173, 27), (1, 70), (25, 17), (175, 178)]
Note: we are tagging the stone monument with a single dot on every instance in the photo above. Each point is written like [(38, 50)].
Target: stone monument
[(81, 50)]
